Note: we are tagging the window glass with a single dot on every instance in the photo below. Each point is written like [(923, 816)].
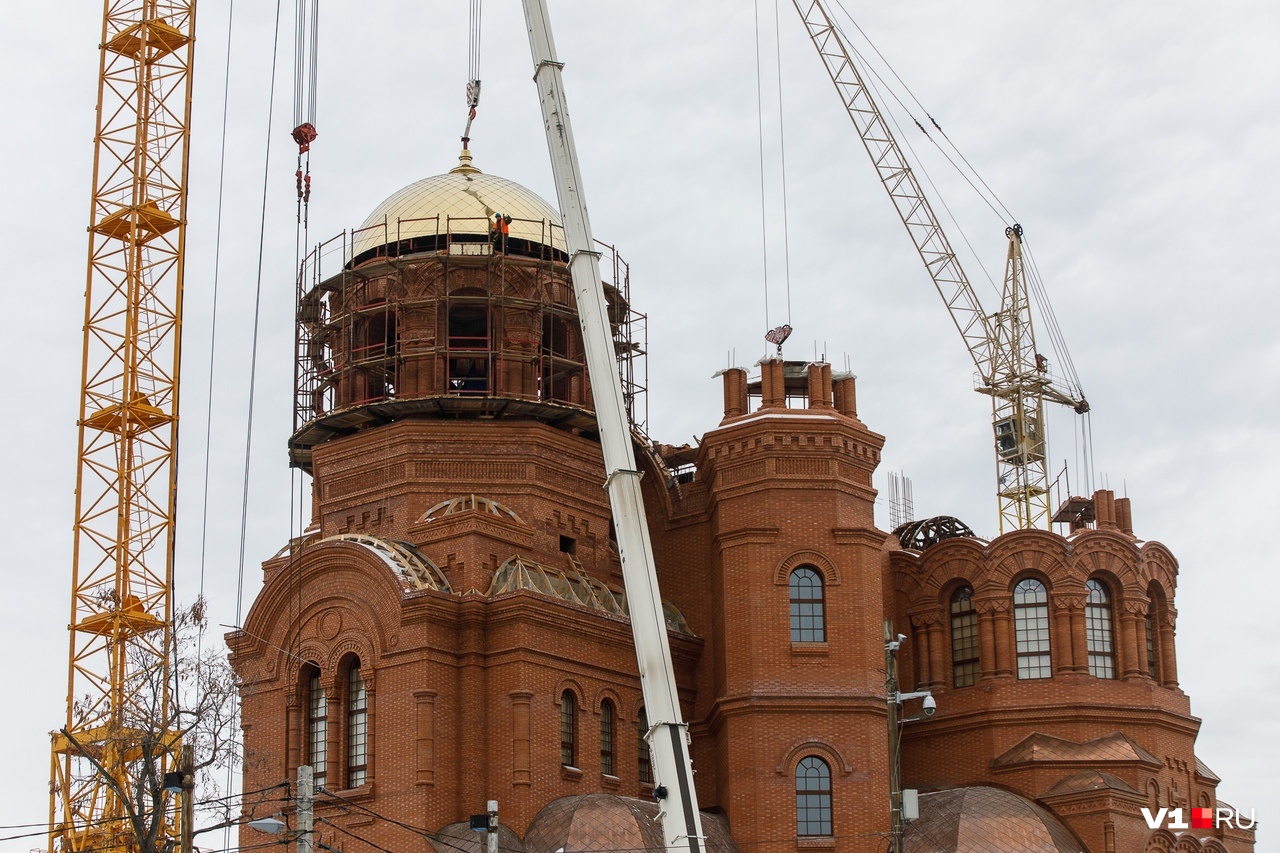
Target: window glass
[(606, 737), (357, 728), (807, 618), (568, 729), (317, 754), (646, 769), (813, 797), (1031, 627), (1099, 637), (1149, 624), (964, 638)]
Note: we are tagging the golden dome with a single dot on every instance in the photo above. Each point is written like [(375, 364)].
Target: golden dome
[(460, 202)]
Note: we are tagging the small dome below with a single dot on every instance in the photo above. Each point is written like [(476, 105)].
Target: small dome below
[(460, 203), (983, 820), (591, 822)]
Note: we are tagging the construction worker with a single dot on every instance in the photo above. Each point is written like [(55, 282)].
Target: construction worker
[(498, 231)]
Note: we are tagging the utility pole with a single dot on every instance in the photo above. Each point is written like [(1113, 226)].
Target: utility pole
[(187, 767), (306, 806), (895, 738), (491, 836)]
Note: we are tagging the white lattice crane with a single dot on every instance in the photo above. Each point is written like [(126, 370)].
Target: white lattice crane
[(1002, 344)]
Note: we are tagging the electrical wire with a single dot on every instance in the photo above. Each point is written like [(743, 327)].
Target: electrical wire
[(993, 199), (213, 313), (257, 313)]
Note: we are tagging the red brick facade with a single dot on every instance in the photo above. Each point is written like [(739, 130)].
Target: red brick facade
[(460, 552)]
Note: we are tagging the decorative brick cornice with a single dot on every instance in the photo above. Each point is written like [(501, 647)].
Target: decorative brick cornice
[(869, 537), (747, 536)]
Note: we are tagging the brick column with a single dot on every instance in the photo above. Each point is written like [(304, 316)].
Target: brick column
[(773, 391), (1004, 640), (986, 639), (295, 726), (937, 666), (371, 724), (521, 737), (1168, 659), (735, 392), (1062, 634), (335, 725), (922, 656), (1079, 638), (1131, 647)]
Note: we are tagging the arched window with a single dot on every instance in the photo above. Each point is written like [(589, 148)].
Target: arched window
[(606, 737), (646, 769), (1031, 627), (357, 728), (964, 638), (568, 729), (807, 619), (317, 739), (1099, 637), (813, 797), (1155, 666)]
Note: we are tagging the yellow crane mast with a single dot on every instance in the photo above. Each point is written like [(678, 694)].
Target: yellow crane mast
[(1002, 344), (109, 750)]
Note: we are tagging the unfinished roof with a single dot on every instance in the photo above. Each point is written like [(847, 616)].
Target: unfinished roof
[(460, 202), (986, 820)]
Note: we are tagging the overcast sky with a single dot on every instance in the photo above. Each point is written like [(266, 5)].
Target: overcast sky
[(1135, 142)]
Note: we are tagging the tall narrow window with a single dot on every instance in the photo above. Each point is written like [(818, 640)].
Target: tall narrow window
[(964, 638), (1154, 619), (1149, 623), (606, 737), (642, 750), (807, 618), (317, 726), (813, 797), (1150, 629), (1098, 634), (1031, 626), (568, 729), (357, 728)]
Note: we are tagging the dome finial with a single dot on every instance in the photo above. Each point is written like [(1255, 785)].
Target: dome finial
[(464, 166)]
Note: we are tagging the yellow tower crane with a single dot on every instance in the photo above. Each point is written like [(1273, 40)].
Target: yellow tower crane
[(110, 757), (1002, 345)]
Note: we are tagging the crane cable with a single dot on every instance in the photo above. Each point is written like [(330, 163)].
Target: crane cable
[(764, 221), (475, 20), (305, 81), (782, 153), (981, 188)]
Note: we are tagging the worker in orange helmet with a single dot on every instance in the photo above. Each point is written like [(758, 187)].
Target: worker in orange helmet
[(499, 230)]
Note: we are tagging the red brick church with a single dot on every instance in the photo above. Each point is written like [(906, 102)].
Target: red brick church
[(452, 627)]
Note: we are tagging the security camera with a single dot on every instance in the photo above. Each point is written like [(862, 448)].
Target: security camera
[(930, 706), (902, 638)]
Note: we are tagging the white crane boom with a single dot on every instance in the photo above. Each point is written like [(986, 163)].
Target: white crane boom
[(668, 736), (1002, 345)]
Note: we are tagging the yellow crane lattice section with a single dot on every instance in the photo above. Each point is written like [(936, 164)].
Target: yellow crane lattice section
[(122, 572)]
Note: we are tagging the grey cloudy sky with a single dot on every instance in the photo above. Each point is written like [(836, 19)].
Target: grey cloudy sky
[(1134, 141)]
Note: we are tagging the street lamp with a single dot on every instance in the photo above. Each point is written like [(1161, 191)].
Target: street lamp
[(894, 700)]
